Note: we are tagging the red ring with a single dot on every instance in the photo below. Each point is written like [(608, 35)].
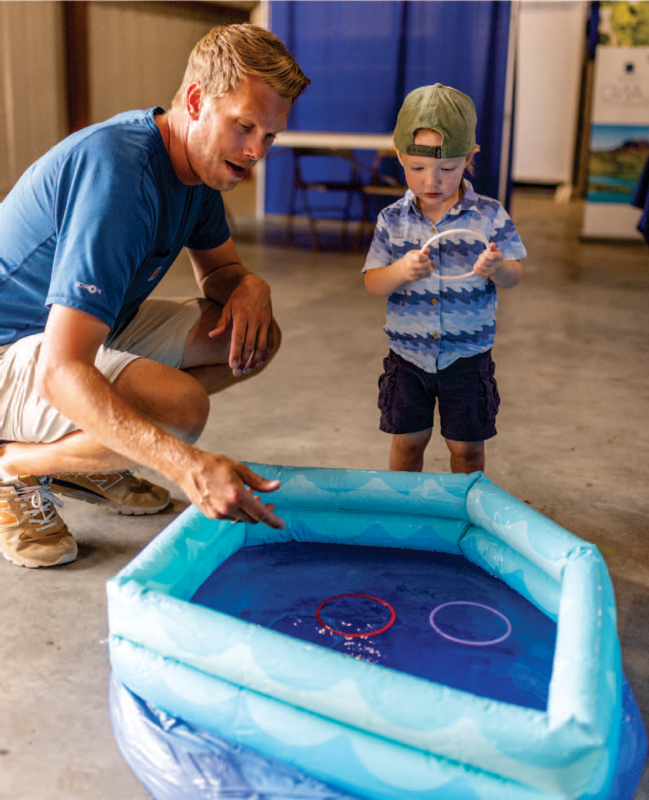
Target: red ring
[(356, 635)]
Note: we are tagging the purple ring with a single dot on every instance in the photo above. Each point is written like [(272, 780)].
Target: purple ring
[(466, 641)]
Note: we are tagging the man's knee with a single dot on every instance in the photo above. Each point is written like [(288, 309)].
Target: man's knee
[(193, 408), (277, 340), (169, 397), (202, 350)]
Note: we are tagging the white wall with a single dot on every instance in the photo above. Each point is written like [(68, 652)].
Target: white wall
[(550, 51)]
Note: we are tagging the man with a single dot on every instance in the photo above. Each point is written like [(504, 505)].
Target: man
[(96, 378)]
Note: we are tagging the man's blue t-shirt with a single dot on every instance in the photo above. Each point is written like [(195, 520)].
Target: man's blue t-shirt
[(96, 223)]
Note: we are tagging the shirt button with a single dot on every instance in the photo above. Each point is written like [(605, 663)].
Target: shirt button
[(434, 301), (433, 229), (436, 335), (433, 265)]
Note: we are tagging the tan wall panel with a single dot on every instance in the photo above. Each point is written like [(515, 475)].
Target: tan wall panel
[(32, 90), (137, 57), (7, 148)]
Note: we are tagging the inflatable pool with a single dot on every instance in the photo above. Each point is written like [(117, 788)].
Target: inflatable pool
[(407, 637)]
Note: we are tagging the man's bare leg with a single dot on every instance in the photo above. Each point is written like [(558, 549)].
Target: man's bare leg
[(168, 397), (177, 400)]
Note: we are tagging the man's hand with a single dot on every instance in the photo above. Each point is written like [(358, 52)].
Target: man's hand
[(225, 489), (245, 297), (249, 311)]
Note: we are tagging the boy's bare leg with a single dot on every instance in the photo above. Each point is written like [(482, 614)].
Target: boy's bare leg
[(466, 456), (407, 451)]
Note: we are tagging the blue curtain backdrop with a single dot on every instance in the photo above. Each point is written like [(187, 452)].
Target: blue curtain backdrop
[(364, 56)]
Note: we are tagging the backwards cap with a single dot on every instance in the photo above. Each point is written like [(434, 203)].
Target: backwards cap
[(440, 108)]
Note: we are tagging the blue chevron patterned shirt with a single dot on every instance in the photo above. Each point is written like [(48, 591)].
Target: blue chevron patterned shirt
[(432, 322)]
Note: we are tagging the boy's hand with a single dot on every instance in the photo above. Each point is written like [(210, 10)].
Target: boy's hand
[(415, 265), (489, 262)]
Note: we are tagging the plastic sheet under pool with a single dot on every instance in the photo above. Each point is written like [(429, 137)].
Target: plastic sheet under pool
[(360, 589)]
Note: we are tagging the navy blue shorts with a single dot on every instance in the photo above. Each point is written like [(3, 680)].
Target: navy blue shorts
[(466, 390)]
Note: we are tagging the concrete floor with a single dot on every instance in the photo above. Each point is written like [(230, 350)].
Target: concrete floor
[(574, 379)]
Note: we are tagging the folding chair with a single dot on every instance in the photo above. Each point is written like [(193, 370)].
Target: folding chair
[(311, 175), (381, 184)]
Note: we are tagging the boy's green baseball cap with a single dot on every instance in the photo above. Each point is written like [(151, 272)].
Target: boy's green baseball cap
[(443, 109)]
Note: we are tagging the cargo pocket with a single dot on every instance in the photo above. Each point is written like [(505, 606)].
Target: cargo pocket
[(490, 399), (387, 383)]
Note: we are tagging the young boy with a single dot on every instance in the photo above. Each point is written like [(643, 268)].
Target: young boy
[(440, 332)]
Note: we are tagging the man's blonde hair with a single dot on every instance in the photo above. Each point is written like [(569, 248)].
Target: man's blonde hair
[(229, 54)]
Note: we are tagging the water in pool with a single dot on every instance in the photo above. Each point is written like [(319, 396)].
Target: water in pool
[(432, 615)]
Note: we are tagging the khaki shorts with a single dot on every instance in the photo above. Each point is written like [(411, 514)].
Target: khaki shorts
[(158, 332)]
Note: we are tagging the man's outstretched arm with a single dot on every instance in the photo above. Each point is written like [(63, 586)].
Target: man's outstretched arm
[(129, 420)]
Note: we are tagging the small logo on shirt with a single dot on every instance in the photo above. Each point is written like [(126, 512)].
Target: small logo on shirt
[(89, 288)]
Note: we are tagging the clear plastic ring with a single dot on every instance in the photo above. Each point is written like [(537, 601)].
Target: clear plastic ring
[(476, 235)]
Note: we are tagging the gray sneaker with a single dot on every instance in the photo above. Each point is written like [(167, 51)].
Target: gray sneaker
[(32, 534)]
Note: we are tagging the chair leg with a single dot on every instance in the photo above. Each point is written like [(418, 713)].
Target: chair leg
[(291, 214), (309, 213), (364, 218), (347, 215), (292, 208), (314, 234)]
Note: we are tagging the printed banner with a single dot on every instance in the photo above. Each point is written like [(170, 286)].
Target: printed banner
[(619, 138)]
